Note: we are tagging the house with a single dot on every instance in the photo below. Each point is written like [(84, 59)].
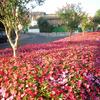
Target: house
[(53, 19)]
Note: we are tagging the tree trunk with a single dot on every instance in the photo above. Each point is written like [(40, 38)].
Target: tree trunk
[(70, 34), (14, 52), (13, 44), (95, 27), (83, 33)]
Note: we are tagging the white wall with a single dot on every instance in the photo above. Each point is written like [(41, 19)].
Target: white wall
[(33, 30)]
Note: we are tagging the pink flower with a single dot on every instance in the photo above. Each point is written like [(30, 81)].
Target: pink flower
[(65, 67), (3, 92), (40, 98), (71, 96), (69, 88), (79, 83), (11, 97)]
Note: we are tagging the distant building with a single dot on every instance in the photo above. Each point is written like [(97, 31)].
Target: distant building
[(36, 15), (53, 19)]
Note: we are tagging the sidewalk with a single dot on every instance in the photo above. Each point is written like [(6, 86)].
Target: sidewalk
[(36, 38)]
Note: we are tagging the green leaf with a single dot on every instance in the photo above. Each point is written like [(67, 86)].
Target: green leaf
[(15, 67), (25, 98), (61, 96)]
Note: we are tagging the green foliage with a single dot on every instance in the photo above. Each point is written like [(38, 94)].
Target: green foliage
[(14, 12), (98, 28), (71, 16), (14, 15), (44, 25), (59, 29), (96, 19), (79, 29), (86, 23), (97, 13)]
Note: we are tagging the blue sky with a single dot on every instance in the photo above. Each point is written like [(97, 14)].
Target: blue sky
[(51, 6)]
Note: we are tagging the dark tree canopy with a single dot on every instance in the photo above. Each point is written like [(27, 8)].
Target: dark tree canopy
[(97, 17), (44, 25)]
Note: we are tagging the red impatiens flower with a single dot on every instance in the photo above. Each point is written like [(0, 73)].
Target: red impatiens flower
[(1, 72), (59, 70), (68, 88), (31, 93)]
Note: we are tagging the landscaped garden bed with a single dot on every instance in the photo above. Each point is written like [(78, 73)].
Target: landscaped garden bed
[(60, 70)]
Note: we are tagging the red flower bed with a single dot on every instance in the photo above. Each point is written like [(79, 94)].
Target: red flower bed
[(60, 70)]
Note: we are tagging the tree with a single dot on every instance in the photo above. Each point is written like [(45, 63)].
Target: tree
[(97, 13), (14, 15), (71, 15), (96, 19), (86, 23), (44, 25)]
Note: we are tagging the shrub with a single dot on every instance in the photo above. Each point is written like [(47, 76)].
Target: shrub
[(44, 26)]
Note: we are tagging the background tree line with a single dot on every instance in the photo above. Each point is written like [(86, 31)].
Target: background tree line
[(73, 19)]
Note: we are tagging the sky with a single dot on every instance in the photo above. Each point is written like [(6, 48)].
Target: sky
[(51, 6)]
